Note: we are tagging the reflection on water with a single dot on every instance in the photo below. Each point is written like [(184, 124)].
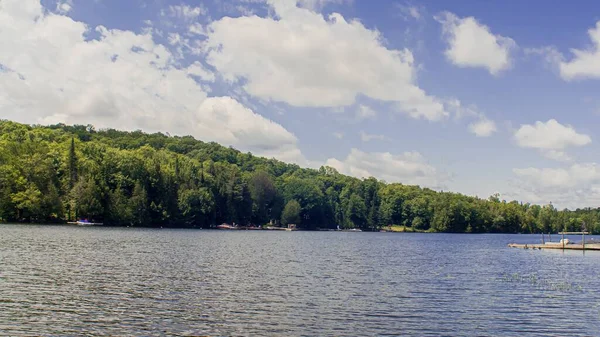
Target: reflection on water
[(110, 281)]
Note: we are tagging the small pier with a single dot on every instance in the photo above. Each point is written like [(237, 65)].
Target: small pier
[(572, 246), (564, 244)]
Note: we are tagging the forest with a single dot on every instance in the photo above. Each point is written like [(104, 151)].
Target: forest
[(59, 173)]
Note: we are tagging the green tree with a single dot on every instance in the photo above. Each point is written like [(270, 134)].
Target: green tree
[(73, 174), (27, 202), (309, 195), (57, 172), (197, 206), (86, 198), (139, 206), (356, 212), (51, 204), (262, 190), (291, 213)]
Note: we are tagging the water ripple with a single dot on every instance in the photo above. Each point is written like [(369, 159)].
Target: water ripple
[(72, 281)]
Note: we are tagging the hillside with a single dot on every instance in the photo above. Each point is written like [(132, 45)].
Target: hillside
[(59, 173)]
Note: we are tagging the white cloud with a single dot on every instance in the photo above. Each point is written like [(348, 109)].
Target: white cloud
[(120, 80), (186, 12), (483, 128), (472, 44), (365, 137), (557, 155), (238, 7), (226, 121), (338, 135), (585, 62), (64, 6), (365, 112), (317, 5), (304, 59), (551, 137), (196, 29), (575, 186), (461, 111), (174, 39), (407, 168)]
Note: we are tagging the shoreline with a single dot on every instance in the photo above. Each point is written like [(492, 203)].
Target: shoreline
[(386, 229)]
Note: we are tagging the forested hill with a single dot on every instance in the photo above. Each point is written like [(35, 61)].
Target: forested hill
[(59, 173)]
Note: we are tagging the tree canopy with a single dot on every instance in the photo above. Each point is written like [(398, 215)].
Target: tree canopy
[(59, 173)]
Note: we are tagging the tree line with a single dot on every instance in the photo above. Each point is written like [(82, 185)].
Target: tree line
[(62, 173)]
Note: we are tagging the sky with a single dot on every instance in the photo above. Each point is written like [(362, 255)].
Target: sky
[(469, 96)]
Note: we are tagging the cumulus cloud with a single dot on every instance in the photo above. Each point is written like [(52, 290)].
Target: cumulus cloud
[(483, 128), (575, 186), (408, 168), (50, 72), (305, 59), (472, 44), (550, 137), (338, 135), (226, 121), (585, 62)]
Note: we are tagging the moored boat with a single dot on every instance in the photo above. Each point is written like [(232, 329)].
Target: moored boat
[(85, 222), (226, 226)]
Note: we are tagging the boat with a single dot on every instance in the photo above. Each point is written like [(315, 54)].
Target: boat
[(85, 222), (226, 226)]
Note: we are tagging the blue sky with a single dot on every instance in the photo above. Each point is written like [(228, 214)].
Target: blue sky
[(477, 97)]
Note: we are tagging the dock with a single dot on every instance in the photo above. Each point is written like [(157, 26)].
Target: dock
[(556, 245), (563, 244)]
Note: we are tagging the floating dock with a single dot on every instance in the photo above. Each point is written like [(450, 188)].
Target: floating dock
[(557, 245), (564, 244)]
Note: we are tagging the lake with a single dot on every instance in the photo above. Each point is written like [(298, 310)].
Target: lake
[(62, 280)]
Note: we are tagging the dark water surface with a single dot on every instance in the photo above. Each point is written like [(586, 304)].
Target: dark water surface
[(139, 282)]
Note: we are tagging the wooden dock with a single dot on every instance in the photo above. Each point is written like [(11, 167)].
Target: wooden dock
[(563, 244), (556, 245)]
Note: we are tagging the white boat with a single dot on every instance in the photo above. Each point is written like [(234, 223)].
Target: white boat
[(85, 223), (226, 226)]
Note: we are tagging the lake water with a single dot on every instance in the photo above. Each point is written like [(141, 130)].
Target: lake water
[(62, 280)]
